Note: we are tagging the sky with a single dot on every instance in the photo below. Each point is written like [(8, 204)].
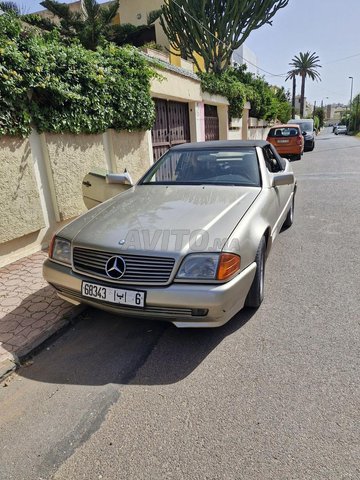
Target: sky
[(330, 28)]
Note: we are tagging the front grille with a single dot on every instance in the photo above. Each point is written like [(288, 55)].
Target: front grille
[(139, 269), (165, 312)]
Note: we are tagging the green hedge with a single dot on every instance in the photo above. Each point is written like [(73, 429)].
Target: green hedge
[(240, 86), (58, 86), (230, 86)]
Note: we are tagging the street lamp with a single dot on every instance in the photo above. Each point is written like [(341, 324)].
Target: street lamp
[(351, 94), (322, 102), (323, 110)]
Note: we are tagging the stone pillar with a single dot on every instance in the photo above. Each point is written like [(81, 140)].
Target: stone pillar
[(197, 121), (245, 121), (223, 122)]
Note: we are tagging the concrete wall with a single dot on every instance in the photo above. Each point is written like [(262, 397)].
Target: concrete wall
[(71, 157), (41, 181), (174, 86), (20, 207), (248, 128), (133, 152), (257, 129), (135, 11)]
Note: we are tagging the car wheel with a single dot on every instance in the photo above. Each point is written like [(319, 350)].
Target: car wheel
[(290, 215), (312, 147), (297, 157), (256, 292)]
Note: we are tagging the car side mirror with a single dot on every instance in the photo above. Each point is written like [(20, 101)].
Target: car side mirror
[(120, 178), (282, 179)]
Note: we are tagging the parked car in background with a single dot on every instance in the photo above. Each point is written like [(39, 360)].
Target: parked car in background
[(187, 243), (288, 140), (307, 128), (341, 129)]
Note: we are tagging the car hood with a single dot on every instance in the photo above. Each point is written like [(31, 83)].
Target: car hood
[(166, 219)]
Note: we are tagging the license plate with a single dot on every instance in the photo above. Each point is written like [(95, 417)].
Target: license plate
[(120, 296), (283, 141)]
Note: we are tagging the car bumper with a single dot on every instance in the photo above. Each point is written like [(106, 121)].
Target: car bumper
[(293, 151), (179, 303), (309, 143)]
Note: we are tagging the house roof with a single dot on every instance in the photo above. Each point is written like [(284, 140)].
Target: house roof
[(170, 67)]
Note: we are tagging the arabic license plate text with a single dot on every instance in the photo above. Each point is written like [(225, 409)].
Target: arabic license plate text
[(119, 296)]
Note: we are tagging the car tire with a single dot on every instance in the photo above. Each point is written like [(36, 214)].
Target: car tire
[(312, 147), (297, 157), (256, 293), (289, 220)]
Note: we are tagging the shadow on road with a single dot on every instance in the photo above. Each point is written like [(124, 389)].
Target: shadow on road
[(102, 349)]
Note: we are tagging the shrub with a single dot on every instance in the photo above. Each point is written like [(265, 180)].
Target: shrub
[(239, 86), (58, 86)]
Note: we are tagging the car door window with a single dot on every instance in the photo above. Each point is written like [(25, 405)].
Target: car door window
[(272, 161)]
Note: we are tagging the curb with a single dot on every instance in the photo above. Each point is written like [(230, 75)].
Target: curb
[(13, 362)]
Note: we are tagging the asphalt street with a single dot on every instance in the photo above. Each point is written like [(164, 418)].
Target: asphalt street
[(274, 394)]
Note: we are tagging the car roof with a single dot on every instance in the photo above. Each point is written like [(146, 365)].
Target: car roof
[(220, 144), (299, 120), (286, 125)]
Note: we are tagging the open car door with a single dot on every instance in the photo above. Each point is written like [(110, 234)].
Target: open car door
[(98, 186)]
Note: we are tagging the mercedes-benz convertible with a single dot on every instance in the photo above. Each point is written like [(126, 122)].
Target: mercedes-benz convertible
[(187, 244)]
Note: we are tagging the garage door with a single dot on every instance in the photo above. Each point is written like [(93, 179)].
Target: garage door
[(171, 126), (211, 123)]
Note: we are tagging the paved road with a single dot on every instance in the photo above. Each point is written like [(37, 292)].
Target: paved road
[(272, 395)]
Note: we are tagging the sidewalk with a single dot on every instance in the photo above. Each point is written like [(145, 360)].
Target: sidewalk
[(30, 311)]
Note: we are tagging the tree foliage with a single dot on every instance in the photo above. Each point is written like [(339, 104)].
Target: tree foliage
[(213, 29), (60, 86), (291, 75), (230, 86), (239, 86), (319, 112), (304, 65), (355, 113), (10, 7), (91, 26), (126, 33)]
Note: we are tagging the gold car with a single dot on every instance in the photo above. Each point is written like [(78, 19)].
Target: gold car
[(187, 243)]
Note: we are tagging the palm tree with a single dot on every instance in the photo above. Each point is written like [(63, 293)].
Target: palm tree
[(10, 7), (90, 25), (305, 65), (291, 75)]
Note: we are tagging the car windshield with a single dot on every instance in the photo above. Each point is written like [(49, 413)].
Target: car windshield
[(284, 132), (206, 167), (307, 126)]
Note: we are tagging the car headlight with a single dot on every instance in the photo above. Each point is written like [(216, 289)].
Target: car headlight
[(60, 250), (209, 266)]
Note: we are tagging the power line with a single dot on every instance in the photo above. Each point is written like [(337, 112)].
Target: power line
[(341, 59), (224, 43), (181, 7)]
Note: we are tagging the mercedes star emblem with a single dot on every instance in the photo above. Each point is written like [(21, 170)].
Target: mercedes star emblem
[(115, 267)]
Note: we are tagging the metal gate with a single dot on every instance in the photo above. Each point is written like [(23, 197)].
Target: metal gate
[(171, 126), (211, 123)]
